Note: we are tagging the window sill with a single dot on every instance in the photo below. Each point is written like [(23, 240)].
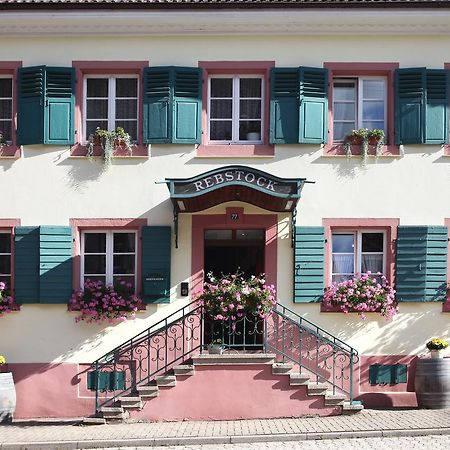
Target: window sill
[(236, 150), (338, 150), (80, 151), (10, 152), (336, 309)]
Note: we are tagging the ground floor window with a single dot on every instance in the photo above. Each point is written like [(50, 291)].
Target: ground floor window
[(109, 256), (5, 257)]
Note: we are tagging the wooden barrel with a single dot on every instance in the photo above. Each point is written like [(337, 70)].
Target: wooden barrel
[(432, 383)]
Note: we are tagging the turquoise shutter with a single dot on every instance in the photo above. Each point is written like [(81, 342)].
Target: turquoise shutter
[(156, 249), (55, 263), (421, 271), (309, 259), (284, 106), (59, 106), (46, 105), (157, 109), (30, 114), (187, 105), (313, 123), (410, 85), (26, 264), (436, 112)]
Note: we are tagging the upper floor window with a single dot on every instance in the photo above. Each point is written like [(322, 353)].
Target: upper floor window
[(109, 256), (5, 257), (355, 252), (358, 103), (236, 109), (6, 109), (111, 102)]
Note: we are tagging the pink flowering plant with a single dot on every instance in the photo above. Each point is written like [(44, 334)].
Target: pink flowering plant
[(99, 302), (231, 297), (366, 293), (6, 300)]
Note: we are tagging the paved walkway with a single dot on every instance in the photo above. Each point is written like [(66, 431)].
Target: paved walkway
[(368, 423)]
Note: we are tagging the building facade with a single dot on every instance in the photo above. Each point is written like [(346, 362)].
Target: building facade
[(238, 117)]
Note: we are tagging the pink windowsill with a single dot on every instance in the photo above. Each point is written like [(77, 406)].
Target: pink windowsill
[(338, 150), (10, 151), (80, 150), (235, 150), (336, 309)]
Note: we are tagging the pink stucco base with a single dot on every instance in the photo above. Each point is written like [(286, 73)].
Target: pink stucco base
[(233, 392)]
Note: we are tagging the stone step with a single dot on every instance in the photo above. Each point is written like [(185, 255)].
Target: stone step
[(234, 359), (298, 379), (166, 380), (317, 388), (148, 391), (94, 421), (351, 408), (113, 412), (130, 402), (281, 368), (334, 399), (184, 370)]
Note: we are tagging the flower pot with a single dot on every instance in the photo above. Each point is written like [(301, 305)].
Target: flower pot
[(7, 397), (436, 354), (432, 383), (215, 349)]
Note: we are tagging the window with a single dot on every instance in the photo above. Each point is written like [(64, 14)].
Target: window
[(6, 109), (358, 103), (109, 256), (111, 102), (235, 109), (5, 257), (356, 252)]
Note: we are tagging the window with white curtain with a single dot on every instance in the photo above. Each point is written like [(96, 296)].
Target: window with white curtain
[(356, 252), (358, 103), (6, 113), (111, 102), (235, 111)]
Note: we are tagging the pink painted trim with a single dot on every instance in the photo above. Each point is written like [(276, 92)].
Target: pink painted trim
[(208, 148), (11, 68), (388, 225), (220, 221), (9, 225), (79, 225), (83, 68), (362, 69), (447, 146), (446, 304)]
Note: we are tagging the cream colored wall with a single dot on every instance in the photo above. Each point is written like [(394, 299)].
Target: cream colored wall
[(47, 186)]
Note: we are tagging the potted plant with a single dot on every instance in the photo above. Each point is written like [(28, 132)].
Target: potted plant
[(98, 302), (435, 346), (364, 137), (7, 303), (109, 141), (3, 142), (7, 392), (366, 293), (216, 347)]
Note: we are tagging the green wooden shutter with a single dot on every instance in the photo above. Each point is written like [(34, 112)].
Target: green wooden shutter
[(31, 98), (157, 109), (156, 249), (410, 86), (55, 263), (59, 106), (309, 259), (421, 271), (436, 112), (313, 123), (284, 106), (46, 105), (26, 264), (187, 105)]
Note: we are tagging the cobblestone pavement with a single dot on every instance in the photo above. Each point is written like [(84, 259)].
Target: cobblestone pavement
[(367, 424)]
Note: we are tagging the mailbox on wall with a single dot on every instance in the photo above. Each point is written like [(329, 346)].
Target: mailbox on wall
[(156, 288)]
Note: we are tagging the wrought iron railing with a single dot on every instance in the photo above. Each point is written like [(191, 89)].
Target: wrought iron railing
[(184, 333), (316, 352), (151, 353)]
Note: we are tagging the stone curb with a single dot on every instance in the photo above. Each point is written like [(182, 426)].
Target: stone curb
[(202, 440)]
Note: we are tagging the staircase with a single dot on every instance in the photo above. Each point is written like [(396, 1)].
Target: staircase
[(298, 369)]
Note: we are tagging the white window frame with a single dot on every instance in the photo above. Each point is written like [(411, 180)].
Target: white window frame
[(357, 253), (10, 119), (235, 112), (109, 255), (8, 232), (358, 80), (111, 101)]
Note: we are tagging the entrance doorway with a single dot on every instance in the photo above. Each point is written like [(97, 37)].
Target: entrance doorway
[(234, 250)]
